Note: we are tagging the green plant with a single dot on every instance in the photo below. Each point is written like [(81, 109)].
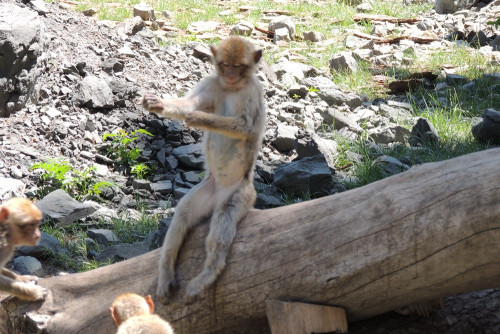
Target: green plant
[(312, 89), (140, 170), (122, 148), (59, 174)]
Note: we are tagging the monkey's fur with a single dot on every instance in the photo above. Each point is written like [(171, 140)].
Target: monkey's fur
[(19, 219), (133, 314), (229, 104)]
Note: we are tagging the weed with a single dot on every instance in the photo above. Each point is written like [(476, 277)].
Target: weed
[(122, 149)]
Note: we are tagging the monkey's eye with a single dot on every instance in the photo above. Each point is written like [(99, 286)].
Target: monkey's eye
[(237, 65)]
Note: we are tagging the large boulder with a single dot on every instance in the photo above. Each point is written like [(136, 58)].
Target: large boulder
[(451, 6), (22, 45)]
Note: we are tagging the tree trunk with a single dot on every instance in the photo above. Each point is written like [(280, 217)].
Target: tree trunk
[(429, 232)]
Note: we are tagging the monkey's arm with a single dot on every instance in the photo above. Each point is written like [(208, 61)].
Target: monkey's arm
[(232, 127), (20, 278), (200, 98)]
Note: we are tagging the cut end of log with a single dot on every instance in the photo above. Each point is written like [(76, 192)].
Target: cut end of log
[(302, 318)]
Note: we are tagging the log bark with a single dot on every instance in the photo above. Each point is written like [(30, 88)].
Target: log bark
[(429, 232)]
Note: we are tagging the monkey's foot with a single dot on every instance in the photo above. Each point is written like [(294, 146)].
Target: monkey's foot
[(195, 287), (152, 103), (34, 293), (164, 289)]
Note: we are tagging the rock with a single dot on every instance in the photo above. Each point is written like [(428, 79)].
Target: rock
[(22, 46), (477, 39), (131, 26), (27, 265), (284, 138), (203, 26), (281, 34), (337, 97), (353, 42), (288, 72), (495, 43), (162, 187), (423, 133), (59, 207), (488, 130), (10, 187), (313, 36), (320, 82), (192, 177), (364, 7), (202, 52), (89, 12), (298, 90), (120, 252), (95, 93), (451, 6), (387, 135), (179, 192), (343, 61), (38, 6), (190, 155), (243, 28), (144, 11), (266, 201), (393, 113), (309, 144), (102, 236), (308, 175), (390, 165), (47, 244), (283, 22), (339, 120)]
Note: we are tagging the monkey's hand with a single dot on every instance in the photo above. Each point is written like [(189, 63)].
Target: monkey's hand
[(153, 103), (31, 292)]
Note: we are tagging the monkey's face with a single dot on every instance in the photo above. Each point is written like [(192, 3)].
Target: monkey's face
[(232, 74), (26, 234)]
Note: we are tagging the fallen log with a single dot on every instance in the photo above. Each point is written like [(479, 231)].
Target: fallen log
[(429, 232)]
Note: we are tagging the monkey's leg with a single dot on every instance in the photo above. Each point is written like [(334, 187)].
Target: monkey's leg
[(192, 208), (226, 216), (19, 278)]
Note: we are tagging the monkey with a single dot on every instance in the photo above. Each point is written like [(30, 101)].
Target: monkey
[(229, 104), (19, 219), (133, 314)]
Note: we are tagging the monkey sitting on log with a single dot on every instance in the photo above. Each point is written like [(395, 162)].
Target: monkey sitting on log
[(19, 219), (133, 314), (229, 104)]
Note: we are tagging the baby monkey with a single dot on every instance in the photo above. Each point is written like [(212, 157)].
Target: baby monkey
[(19, 219), (229, 104), (133, 314)]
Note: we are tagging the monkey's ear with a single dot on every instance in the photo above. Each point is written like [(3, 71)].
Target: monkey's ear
[(214, 50), (115, 316), (257, 55), (150, 304), (4, 214)]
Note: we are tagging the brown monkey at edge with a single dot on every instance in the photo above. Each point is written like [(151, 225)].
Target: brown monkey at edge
[(19, 219), (229, 104), (133, 314)]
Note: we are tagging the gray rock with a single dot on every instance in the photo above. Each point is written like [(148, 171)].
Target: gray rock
[(171, 162), (288, 71), (27, 265), (131, 26), (353, 42), (162, 187), (393, 113), (281, 34), (283, 22), (495, 43), (22, 45), (309, 175), (190, 155), (337, 97), (144, 11), (390, 165), (477, 39), (266, 201), (343, 61), (179, 192), (298, 90), (321, 83), (339, 120), (202, 52), (313, 36), (120, 252), (284, 138), (451, 6), (47, 244), (102, 236), (387, 135), (192, 177), (488, 130), (38, 6), (364, 7), (59, 207), (89, 12), (95, 93), (141, 184), (242, 28), (309, 144), (423, 133)]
